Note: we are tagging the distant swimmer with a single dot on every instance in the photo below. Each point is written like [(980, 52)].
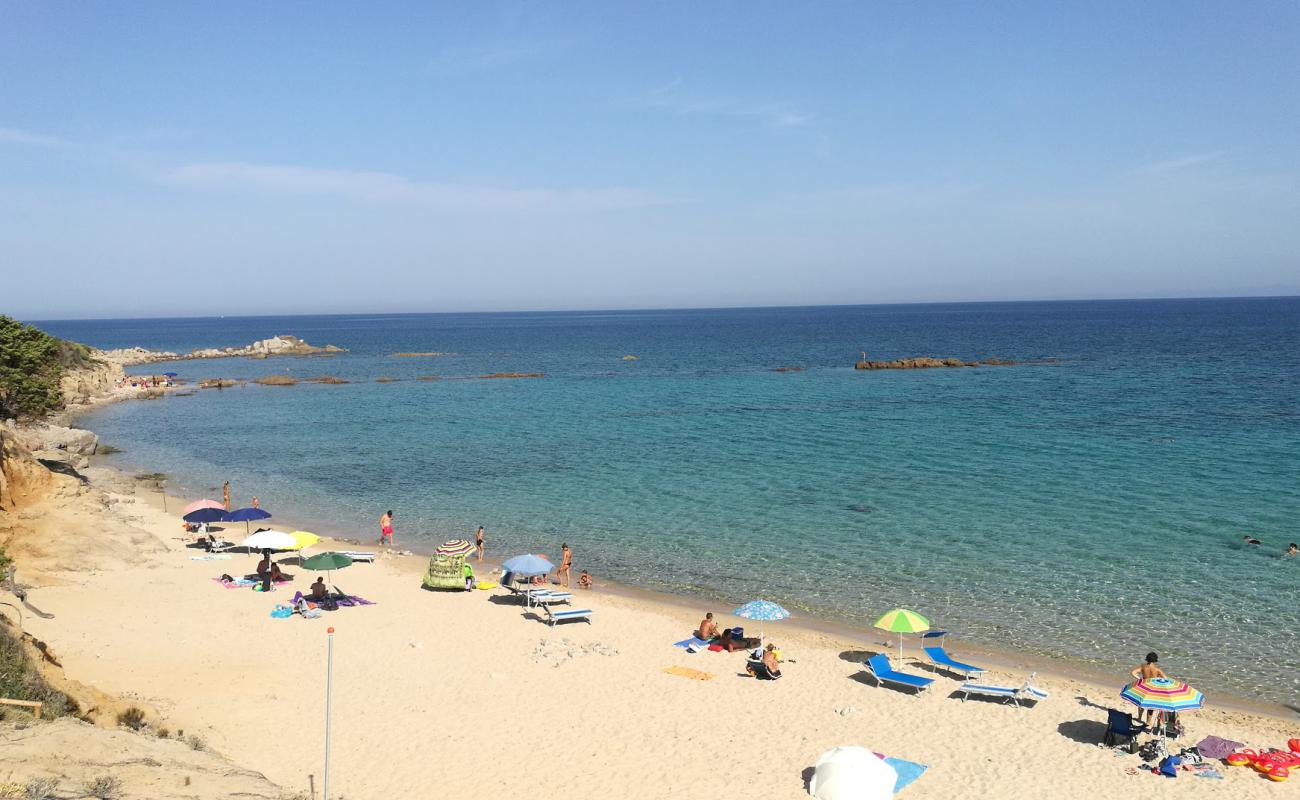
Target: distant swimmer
[(1250, 540), (1292, 551)]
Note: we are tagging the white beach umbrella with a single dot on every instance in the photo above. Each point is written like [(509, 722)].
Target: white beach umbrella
[(852, 773), (270, 540)]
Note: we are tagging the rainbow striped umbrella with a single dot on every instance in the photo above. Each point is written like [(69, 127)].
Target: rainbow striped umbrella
[(1163, 694), (456, 547), (902, 621)]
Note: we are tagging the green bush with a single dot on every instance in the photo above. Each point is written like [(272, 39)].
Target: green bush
[(19, 679), (31, 363)]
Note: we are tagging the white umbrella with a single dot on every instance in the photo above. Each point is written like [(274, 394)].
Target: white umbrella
[(270, 540), (852, 773)]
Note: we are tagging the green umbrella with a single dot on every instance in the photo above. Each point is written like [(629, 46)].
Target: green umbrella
[(902, 621), (327, 562)]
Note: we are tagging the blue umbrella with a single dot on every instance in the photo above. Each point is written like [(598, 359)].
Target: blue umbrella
[(205, 515), (169, 374), (245, 515), (527, 565), (761, 611)]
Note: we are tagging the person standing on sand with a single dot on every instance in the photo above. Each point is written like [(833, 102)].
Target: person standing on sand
[(255, 503), (1146, 671), (564, 573), (478, 542), (225, 494), (386, 528)]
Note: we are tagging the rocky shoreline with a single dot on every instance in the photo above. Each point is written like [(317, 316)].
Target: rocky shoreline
[(925, 362)]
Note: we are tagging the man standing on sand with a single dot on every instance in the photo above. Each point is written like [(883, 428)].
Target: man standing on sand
[(566, 565), (386, 528), (225, 494), (478, 542)]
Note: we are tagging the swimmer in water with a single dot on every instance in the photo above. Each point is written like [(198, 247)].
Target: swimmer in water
[(1251, 540), (1292, 551)]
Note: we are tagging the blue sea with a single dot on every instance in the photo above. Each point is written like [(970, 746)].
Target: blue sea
[(1087, 506)]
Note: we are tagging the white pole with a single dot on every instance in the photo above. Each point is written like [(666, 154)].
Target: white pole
[(329, 683)]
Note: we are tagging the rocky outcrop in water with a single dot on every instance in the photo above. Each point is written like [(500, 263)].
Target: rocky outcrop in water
[(924, 362), (276, 380), (283, 345), (515, 375)]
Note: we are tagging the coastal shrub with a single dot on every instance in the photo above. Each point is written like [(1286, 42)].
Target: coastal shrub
[(5, 563), (20, 680), (105, 787), (163, 733), (41, 788), (31, 363), (132, 718), (196, 743)]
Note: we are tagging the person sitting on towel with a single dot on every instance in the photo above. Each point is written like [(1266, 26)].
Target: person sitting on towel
[(766, 668), (268, 568), (708, 629), (318, 590)]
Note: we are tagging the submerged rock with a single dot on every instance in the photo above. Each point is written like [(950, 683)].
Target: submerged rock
[(515, 375), (276, 380), (925, 362)]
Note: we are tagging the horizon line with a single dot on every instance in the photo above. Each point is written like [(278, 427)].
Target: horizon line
[(653, 309)]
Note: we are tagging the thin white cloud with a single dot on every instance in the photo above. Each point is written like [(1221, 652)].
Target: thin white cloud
[(669, 98), (386, 187), (455, 61), (1183, 162), (16, 136)]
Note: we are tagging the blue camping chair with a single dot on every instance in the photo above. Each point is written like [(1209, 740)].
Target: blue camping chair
[(1121, 725), (939, 658), (878, 666)]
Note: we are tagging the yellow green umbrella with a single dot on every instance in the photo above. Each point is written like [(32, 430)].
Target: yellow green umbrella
[(902, 621), (304, 539)]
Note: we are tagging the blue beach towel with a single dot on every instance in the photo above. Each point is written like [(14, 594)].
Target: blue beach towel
[(694, 640), (908, 771)]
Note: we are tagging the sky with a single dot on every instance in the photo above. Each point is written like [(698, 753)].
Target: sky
[(177, 158)]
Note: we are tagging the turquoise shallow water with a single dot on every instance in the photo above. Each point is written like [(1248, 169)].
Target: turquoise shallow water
[(1089, 509)]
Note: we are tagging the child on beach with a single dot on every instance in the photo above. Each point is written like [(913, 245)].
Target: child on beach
[(584, 580), (386, 528)]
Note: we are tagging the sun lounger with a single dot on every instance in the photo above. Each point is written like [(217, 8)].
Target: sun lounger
[(545, 597), (553, 617), (939, 659), (880, 669), (357, 555), (1029, 692)]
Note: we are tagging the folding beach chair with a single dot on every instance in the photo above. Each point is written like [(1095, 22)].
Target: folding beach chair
[(1121, 725)]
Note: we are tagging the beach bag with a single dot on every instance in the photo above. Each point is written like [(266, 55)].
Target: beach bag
[(1169, 767)]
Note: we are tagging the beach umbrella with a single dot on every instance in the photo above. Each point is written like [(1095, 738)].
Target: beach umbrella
[(205, 515), (852, 773), (1163, 694), (456, 547), (246, 515), (204, 503), (761, 611), (304, 539), (902, 621), (269, 540), (527, 565), (169, 374), (327, 563)]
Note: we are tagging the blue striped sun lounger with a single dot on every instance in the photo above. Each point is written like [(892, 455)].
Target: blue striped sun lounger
[(571, 615), (880, 669), (1028, 693)]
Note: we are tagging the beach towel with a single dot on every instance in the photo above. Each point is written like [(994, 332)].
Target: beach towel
[(237, 583), (908, 772), (1214, 747), (694, 640), (281, 612), (687, 672), (353, 600)]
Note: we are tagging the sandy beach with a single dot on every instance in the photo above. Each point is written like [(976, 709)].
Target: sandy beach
[(471, 694)]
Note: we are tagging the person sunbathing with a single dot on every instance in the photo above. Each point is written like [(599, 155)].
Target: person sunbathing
[(318, 590), (708, 629), (766, 668), (731, 643)]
